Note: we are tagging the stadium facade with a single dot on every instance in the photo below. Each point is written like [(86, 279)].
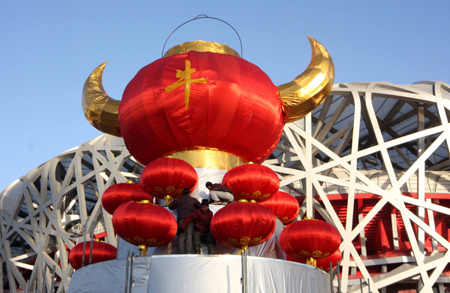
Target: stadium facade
[(372, 160)]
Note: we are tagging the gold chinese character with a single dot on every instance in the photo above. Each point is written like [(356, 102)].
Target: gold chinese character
[(185, 78)]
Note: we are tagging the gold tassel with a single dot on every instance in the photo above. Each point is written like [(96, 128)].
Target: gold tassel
[(241, 249), (311, 261), (143, 250), (167, 200)]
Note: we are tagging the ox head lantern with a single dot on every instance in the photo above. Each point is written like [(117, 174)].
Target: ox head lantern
[(201, 99)]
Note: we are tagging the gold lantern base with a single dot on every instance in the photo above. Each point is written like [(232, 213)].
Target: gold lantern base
[(167, 200), (143, 250), (311, 261)]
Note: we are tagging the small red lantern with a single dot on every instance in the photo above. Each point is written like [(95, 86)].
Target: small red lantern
[(144, 224), (311, 239), (165, 178), (322, 263), (284, 206), (243, 224), (101, 251), (121, 193), (252, 182)]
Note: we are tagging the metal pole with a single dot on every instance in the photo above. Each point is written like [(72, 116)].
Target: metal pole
[(244, 270), (126, 272), (92, 246), (368, 284), (130, 284), (52, 289), (44, 273), (339, 277), (28, 286), (84, 245), (331, 276), (360, 285)]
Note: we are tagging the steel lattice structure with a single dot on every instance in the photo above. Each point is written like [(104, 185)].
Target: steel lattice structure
[(372, 160)]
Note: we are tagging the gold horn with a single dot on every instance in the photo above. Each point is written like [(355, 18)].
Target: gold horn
[(309, 89), (100, 110)]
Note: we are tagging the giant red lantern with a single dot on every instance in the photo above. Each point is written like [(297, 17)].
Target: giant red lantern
[(283, 205), (312, 239), (144, 224), (121, 193), (216, 101), (167, 177), (243, 224), (321, 263), (252, 182), (101, 251)]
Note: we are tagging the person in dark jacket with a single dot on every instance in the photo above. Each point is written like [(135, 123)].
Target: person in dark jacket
[(219, 193), (202, 219), (185, 206)]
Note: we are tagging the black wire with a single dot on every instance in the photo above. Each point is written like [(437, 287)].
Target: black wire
[(201, 16)]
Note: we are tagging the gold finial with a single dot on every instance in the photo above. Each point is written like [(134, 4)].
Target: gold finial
[(201, 46), (167, 200), (143, 250)]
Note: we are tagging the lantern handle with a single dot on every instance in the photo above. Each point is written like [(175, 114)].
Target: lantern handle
[(200, 16)]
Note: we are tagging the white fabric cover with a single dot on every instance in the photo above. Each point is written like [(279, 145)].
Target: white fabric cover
[(197, 273)]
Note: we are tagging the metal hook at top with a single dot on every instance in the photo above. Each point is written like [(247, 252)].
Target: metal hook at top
[(201, 16)]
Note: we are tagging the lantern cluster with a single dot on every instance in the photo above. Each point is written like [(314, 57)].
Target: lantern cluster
[(310, 240), (135, 218), (244, 224)]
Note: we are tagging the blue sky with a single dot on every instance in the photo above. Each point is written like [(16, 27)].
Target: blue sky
[(48, 48)]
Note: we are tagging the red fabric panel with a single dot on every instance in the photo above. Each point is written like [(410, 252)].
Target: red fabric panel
[(383, 242), (441, 229)]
